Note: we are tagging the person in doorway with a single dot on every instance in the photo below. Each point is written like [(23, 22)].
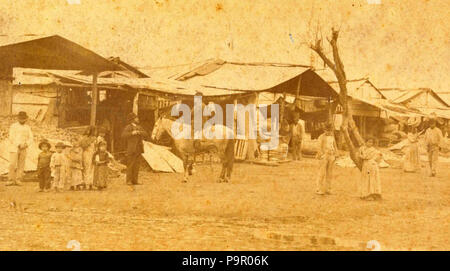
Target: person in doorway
[(369, 184), (134, 135), (327, 155), (20, 138), (43, 166), (433, 137)]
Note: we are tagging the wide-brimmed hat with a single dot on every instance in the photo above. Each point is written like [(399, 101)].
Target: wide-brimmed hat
[(131, 117), (60, 145), (22, 115), (44, 142)]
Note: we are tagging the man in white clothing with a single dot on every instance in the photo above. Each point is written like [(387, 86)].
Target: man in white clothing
[(20, 137)]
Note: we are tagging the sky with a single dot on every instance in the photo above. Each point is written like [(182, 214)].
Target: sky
[(398, 43)]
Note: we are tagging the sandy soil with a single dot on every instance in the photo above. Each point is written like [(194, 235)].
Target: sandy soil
[(263, 208)]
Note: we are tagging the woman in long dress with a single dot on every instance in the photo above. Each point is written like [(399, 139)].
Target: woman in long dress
[(88, 145), (412, 160), (369, 184)]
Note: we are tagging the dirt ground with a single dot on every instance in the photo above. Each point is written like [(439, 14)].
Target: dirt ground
[(263, 208)]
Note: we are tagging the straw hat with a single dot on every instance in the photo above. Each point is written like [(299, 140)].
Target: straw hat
[(60, 145)]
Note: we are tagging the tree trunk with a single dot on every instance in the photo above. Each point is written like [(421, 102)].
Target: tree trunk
[(348, 127)]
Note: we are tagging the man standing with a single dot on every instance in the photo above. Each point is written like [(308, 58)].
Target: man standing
[(297, 137), (20, 137), (433, 137), (134, 135), (327, 155)]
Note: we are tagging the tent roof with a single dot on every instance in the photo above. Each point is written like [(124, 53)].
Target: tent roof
[(397, 95), (50, 52), (250, 77), (241, 76), (445, 96), (353, 85)]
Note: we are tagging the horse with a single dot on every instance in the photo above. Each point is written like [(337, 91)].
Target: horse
[(184, 148)]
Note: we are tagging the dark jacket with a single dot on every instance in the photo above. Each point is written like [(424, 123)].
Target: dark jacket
[(134, 142)]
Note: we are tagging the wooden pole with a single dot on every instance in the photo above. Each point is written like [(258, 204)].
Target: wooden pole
[(297, 94), (6, 90), (94, 99), (283, 101)]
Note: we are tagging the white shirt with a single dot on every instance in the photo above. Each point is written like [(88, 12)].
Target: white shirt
[(19, 134)]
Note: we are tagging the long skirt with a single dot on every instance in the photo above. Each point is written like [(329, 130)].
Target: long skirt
[(412, 160), (369, 183), (76, 176), (88, 170), (100, 176)]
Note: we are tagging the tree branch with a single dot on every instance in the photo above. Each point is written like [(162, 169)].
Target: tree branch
[(337, 59), (318, 49)]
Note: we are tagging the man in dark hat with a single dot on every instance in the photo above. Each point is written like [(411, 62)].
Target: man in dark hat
[(20, 138), (134, 135)]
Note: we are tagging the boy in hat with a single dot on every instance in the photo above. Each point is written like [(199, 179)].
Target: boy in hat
[(58, 166), (134, 135), (20, 138), (43, 165), (327, 155), (433, 137)]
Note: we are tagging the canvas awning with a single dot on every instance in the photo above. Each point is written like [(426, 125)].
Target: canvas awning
[(151, 86)]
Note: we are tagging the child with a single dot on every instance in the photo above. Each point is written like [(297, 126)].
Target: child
[(76, 167), (58, 166), (370, 185), (43, 166), (327, 155), (101, 159)]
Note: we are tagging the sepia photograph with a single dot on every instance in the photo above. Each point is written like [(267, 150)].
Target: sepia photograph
[(224, 125)]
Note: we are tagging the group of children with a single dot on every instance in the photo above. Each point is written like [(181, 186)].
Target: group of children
[(83, 166)]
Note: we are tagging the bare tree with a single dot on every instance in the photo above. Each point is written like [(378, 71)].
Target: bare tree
[(349, 130)]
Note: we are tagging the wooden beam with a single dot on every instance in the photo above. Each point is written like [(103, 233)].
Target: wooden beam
[(94, 100), (6, 90)]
